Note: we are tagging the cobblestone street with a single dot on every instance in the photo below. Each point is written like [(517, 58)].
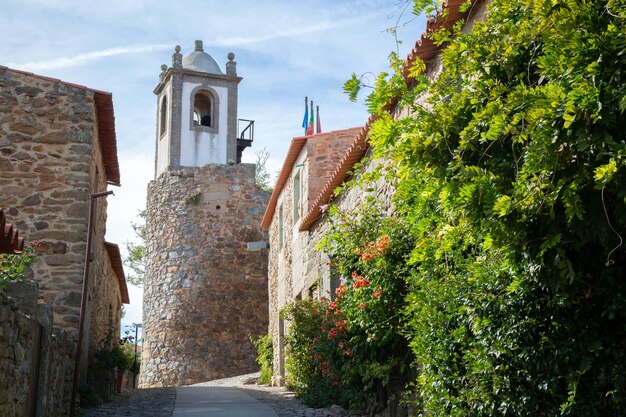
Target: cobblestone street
[(149, 402)]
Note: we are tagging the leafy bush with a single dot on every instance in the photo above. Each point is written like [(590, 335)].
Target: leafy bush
[(265, 357), (345, 351), (119, 355), (512, 184), (88, 396), (15, 267)]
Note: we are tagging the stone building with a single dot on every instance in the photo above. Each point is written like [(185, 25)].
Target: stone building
[(57, 147), (292, 266), (296, 269), (205, 292)]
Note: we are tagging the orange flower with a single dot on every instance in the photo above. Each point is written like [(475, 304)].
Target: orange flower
[(347, 352), (360, 282), (377, 294), (341, 290), (362, 305)]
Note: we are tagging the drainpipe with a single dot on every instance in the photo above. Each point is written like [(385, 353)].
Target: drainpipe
[(137, 327), (83, 302)]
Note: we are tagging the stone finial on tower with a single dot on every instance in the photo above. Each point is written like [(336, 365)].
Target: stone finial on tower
[(199, 46), (162, 74), (177, 58), (231, 65)]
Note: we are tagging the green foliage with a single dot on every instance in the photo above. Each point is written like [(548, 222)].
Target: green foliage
[(112, 354), (304, 373), (511, 186), (352, 87), (265, 357), (347, 350), (135, 259), (89, 397), (193, 198), (263, 180), (15, 267)]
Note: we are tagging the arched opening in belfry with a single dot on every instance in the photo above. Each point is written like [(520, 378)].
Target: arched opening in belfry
[(203, 114), (163, 116)]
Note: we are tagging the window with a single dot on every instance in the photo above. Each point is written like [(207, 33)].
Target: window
[(296, 197), (280, 227), (163, 116), (335, 282), (202, 110), (204, 113)]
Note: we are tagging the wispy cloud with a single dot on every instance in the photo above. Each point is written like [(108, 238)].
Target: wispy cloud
[(87, 57), (290, 32), (242, 40)]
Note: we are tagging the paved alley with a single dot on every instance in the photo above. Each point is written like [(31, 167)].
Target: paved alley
[(230, 397)]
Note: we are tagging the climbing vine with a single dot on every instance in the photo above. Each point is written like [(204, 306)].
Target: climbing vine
[(512, 187)]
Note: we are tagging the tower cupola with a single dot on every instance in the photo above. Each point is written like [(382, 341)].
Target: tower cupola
[(196, 112), (198, 60)]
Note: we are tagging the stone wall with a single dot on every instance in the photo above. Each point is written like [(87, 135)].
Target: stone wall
[(50, 161), (205, 294), (36, 363), (106, 301)]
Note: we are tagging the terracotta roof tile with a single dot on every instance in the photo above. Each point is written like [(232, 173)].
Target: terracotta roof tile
[(292, 155), (116, 262), (354, 154), (10, 241)]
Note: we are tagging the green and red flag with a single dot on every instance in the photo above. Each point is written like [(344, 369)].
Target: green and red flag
[(310, 128)]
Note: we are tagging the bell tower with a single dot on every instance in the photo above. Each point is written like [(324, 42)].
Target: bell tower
[(197, 112), (205, 293)]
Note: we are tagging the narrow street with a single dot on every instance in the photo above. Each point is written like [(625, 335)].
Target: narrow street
[(231, 397)]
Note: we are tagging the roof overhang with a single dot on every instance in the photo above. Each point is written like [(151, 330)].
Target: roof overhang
[(116, 263)]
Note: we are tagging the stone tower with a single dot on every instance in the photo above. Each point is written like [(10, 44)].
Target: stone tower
[(205, 293)]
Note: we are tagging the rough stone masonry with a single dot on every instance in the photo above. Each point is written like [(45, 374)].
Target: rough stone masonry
[(205, 293)]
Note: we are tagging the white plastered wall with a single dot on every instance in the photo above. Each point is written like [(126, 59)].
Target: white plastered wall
[(198, 148)]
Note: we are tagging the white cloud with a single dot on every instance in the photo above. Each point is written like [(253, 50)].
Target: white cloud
[(87, 57)]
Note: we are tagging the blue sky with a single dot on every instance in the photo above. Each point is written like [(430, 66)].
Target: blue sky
[(285, 50)]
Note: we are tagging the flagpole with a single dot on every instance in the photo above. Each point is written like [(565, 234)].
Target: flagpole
[(318, 125), (312, 128)]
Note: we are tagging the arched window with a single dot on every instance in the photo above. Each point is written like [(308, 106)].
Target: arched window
[(163, 116), (204, 104), (202, 109)]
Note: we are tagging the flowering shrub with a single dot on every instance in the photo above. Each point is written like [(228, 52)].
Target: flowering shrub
[(347, 350)]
